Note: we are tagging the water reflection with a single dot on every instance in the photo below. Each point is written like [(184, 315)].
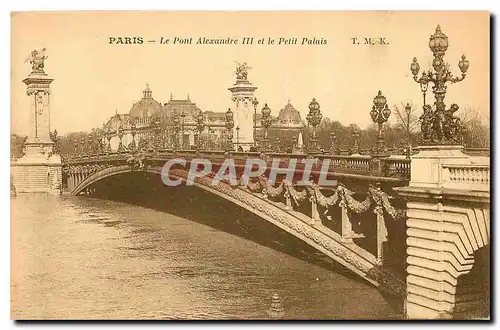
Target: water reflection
[(86, 258)]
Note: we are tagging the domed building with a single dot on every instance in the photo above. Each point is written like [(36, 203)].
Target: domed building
[(147, 106), (179, 122), (289, 117)]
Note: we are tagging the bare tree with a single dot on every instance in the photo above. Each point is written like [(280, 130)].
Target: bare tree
[(407, 119), (476, 127)]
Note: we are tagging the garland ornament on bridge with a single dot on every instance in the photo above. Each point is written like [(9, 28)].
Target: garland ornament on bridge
[(342, 197), (439, 125)]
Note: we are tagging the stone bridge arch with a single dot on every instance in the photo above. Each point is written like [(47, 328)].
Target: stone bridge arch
[(313, 233)]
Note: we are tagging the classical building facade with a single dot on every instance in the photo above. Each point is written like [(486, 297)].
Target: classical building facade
[(180, 123)]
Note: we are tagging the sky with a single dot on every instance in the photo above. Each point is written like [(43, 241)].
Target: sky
[(94, 79)]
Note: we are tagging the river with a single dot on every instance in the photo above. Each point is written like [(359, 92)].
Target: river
[(88, 258)]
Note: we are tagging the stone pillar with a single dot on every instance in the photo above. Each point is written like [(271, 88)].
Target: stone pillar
[(448, 203), (39, 170), (242, 96)]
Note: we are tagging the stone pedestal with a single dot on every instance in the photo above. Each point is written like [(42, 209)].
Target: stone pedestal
[(448, 205), (37, 174), (243, 95), (38, 170)]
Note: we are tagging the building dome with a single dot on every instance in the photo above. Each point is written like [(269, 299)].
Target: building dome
[(147, 106), (289, 115)]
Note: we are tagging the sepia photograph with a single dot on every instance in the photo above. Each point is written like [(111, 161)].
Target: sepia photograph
[(250, 165)]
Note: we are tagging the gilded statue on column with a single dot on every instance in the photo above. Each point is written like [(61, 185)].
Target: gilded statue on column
[(37, 59)]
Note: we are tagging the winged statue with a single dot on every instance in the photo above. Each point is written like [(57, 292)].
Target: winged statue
[(36, 59), (242, 70)]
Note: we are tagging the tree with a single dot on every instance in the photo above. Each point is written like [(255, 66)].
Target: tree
[(17, 145), (477, 128), (408, 120)]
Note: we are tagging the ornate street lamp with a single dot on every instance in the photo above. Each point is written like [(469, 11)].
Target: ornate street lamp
[(200, 125), (109, 135), (265, 121), (333, 143), (229, 128), (90, 143), (82, 145), (355, 135), (120, 136), (100, 137), (380, 114), (133, 132), (176, 130), (157, 131), (439, 126), (237, 138), (255, 104), (183, 115), (314, 119), (212, 138)]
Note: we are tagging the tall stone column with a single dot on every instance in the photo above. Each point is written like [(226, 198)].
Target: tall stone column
[(39, 170), (242, 96), (448, 224)]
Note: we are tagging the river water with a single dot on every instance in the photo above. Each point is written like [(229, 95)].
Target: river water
[(88, 258)]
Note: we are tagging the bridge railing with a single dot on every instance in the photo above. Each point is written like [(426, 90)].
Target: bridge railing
[(470, 177), (386, 167)]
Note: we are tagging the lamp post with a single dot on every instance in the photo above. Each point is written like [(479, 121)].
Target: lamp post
[(237, 138), (333, 143), (355, 135), (183, 115), (314, 119), (176, 130), (200, 125), (265, 121), (229, 128), (90, 143), (255, 104), (120, 136), (408, 138), (212, 138), (380, 114), (82, 145), (133, 131), (439, 126), (157, 131), (109, 134)]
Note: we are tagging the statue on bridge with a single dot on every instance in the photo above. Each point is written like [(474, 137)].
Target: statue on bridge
[(137, 161), (242, 70), (440, 125), (36, 59)]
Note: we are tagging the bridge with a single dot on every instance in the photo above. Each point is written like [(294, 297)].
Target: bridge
[(410, 241), (320, 216), (416, 226)]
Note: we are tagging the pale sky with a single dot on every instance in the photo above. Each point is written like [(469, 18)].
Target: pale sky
[(93, 79)]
